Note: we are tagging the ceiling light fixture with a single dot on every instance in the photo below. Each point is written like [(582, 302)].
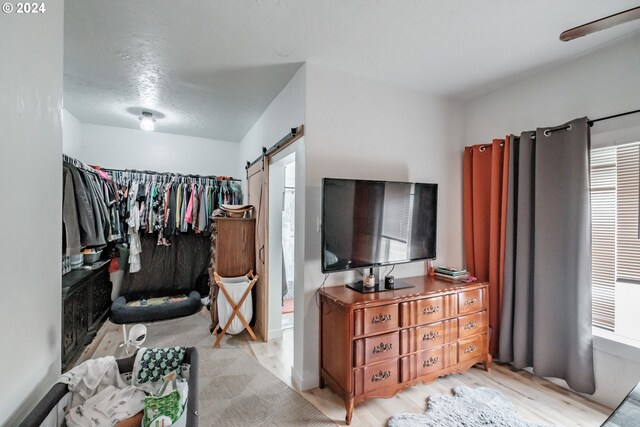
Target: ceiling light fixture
[(146, 121)]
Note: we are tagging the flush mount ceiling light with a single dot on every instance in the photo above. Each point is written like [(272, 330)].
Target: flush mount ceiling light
[(146, 121)]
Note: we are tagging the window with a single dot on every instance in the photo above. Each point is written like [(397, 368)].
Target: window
[(615, 193)]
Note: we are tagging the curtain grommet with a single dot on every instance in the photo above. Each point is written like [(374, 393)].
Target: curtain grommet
[(547, 132), (482, 148)]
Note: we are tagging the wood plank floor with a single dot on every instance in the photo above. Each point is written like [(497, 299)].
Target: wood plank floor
[(536, 399)]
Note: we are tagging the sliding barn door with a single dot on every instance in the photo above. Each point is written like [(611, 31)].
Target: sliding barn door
[(258, 196)]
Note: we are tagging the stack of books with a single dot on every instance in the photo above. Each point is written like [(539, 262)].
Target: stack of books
[(451, 274)]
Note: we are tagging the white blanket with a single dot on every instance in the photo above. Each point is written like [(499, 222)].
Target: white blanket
[(91, 377)]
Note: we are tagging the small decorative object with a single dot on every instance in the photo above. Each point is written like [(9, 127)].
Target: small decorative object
[(369, 281), (430, 269)]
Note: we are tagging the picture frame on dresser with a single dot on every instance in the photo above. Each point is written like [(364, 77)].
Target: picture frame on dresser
[(374, 345)]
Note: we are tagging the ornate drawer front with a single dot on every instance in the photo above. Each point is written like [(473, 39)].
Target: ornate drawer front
[(429, 336), (427, 310), (376, 319), (377, 348), (430, 361), (432, 336), (378, 375), (471, 301), (472, 324), (472, 348)]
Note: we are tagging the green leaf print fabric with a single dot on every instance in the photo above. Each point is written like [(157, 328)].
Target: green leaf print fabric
[(155, 363)]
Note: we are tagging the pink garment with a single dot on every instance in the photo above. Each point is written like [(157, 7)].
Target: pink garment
[(189, 214), (102, 174)]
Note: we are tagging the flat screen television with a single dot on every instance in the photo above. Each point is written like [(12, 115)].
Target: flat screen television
[(369, 224)]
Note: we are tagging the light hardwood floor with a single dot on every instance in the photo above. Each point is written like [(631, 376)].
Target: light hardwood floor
[(536, 399)]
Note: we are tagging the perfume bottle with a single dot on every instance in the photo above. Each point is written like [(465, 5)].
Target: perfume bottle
[(430, 268)]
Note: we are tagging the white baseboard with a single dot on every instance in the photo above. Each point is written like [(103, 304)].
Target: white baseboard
[(296, 380)]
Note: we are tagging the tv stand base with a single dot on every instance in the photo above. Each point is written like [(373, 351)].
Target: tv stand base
[(379, 287)]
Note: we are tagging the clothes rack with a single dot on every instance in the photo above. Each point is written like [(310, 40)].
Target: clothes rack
[(150, 172)]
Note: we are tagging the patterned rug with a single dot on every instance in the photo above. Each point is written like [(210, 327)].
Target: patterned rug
[(234, 388), (468, 407)]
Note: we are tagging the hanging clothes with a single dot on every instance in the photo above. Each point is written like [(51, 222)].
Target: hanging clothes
[(135, 246)]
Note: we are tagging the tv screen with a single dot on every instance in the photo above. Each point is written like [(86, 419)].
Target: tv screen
[(376, 223)]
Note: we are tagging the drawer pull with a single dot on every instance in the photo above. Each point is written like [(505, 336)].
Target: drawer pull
[(382, 375), (430, 336), (470, 325), (470, 349), (470, 301), (430, 362), (382, 347), (381, 318), (431, 309)]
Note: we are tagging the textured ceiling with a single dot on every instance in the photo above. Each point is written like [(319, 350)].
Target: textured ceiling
[(212, 67)]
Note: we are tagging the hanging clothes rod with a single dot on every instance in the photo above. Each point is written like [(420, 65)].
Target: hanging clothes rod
[(78, 164), (148, 172), (591, 122)]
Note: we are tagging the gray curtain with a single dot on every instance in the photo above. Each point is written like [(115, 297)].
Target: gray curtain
[(546, 316)]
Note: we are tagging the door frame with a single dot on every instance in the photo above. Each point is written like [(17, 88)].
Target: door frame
[(259, 169)]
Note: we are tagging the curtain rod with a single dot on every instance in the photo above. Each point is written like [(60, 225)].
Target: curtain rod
[(590, 122)]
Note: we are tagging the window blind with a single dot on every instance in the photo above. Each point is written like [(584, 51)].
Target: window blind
[(615, 243), (628, 189), (603, 236)]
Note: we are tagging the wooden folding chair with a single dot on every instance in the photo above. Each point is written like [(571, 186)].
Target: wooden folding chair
[(236, 307)]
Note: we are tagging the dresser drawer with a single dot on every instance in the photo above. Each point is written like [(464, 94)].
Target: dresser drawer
[(471, 301), (472, 348), (472, 324), (427, 310), (430, 361), (376, 319), (380, 375), (428, 337), (377, 348)]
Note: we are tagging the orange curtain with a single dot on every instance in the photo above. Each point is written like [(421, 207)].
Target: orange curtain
[(486, 169)]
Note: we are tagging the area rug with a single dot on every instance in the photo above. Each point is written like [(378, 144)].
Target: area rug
[(468, 407), (234, 388)]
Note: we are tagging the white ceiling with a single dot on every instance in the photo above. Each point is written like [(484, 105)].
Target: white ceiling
[(212, 67)]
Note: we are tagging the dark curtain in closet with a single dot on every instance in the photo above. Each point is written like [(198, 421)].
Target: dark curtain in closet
[(168, 270), (546, 314)]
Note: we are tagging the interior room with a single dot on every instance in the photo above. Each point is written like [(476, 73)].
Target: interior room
[(320, 213)]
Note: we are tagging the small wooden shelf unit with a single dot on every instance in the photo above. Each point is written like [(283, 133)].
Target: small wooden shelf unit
[(374, 345)]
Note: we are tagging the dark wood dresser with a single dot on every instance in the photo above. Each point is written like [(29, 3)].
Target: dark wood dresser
[(373, 345), (86, 301), (233, 253)]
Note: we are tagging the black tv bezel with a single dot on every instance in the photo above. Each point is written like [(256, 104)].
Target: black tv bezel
[(381, 264)]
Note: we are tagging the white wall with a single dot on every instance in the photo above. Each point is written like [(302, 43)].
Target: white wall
[(286, 111), (603, 83), (359, 128), (121, 148), (31, 190), (71, 135)]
